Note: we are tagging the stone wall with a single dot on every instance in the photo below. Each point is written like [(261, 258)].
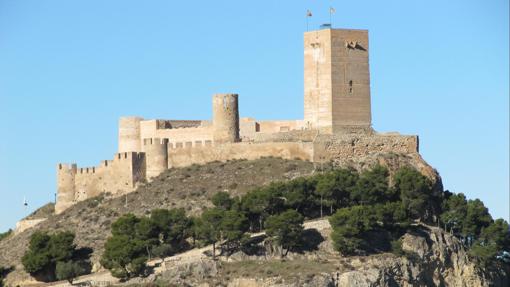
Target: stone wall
[(177, 136), (354, 146), (199, 155), (117, 176), (25, 224)]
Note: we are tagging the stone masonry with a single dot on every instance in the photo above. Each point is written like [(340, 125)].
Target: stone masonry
[(336, 126)]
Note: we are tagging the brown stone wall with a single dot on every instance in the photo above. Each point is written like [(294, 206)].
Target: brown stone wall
[(179, 157), (350, 78), (355, 146), (117, 176), (182, 136)]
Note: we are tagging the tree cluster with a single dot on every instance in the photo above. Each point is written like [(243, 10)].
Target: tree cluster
[(487, 239), (231, 218), (54, 256), (135, 240), (371, 206)]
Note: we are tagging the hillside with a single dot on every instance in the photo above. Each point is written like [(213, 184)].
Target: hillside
[(189, 188), (429, 257)]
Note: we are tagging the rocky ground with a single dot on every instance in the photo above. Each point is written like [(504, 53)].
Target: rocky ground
[(432, 258)]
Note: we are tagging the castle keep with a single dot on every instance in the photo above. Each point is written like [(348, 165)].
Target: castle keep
[(336, 126)]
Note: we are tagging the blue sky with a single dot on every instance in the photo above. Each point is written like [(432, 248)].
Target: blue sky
[(69, 69)]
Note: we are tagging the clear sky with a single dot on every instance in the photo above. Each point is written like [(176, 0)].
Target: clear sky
[(70, 69)]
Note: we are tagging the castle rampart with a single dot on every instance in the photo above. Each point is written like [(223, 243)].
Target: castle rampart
[(117, 176), (336, 127), (200, 155)]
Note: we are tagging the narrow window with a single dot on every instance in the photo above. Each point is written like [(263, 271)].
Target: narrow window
[(350, 87)]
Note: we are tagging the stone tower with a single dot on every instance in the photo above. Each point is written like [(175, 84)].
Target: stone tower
[(66, 174), (225, 118), (156, 156), (129, 134), (336, 80)]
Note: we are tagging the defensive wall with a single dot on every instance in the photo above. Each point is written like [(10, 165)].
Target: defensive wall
[(117, 176)]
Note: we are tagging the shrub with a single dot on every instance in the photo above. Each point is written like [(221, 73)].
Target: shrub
[(5, 234), (69, 270)]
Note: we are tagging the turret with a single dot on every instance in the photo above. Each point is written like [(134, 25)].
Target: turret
[(129, 134), (225, 118), (65, 186), (156, 156)]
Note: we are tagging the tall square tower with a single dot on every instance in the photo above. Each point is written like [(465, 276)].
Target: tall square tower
[(336, 79)]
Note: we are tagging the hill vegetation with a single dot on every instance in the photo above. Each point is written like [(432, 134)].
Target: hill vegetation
[(369, 212)]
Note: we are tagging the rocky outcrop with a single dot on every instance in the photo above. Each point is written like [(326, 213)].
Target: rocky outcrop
[(433, 258)]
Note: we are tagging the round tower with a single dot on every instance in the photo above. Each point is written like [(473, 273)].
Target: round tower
[(65, 186), (225, 118), (156, 156), (129, 134)]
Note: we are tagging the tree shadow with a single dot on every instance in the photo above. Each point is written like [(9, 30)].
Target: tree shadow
[(82, 255), (310, 240), (254, 246)]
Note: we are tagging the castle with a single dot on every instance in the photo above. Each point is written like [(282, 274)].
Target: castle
[(336, 126)]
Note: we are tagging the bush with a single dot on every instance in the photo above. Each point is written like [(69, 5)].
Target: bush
[(69, 270)]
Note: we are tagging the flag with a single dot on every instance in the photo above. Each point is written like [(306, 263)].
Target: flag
[(332, 10), (308, 13)]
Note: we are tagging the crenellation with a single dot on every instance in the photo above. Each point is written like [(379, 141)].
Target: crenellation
[(336, 126)]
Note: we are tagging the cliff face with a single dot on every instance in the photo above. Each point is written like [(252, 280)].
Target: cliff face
[(438, 259)]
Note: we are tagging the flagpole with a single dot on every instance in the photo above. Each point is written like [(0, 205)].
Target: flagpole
[(308, 16)]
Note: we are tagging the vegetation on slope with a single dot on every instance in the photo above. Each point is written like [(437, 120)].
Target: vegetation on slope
[(363, 206), (5, 234), (368, 216), (190, 188)]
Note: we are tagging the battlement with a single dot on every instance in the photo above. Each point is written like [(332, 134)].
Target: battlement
[(116, 176), (155, 141), (86, 170), (67, 166)]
